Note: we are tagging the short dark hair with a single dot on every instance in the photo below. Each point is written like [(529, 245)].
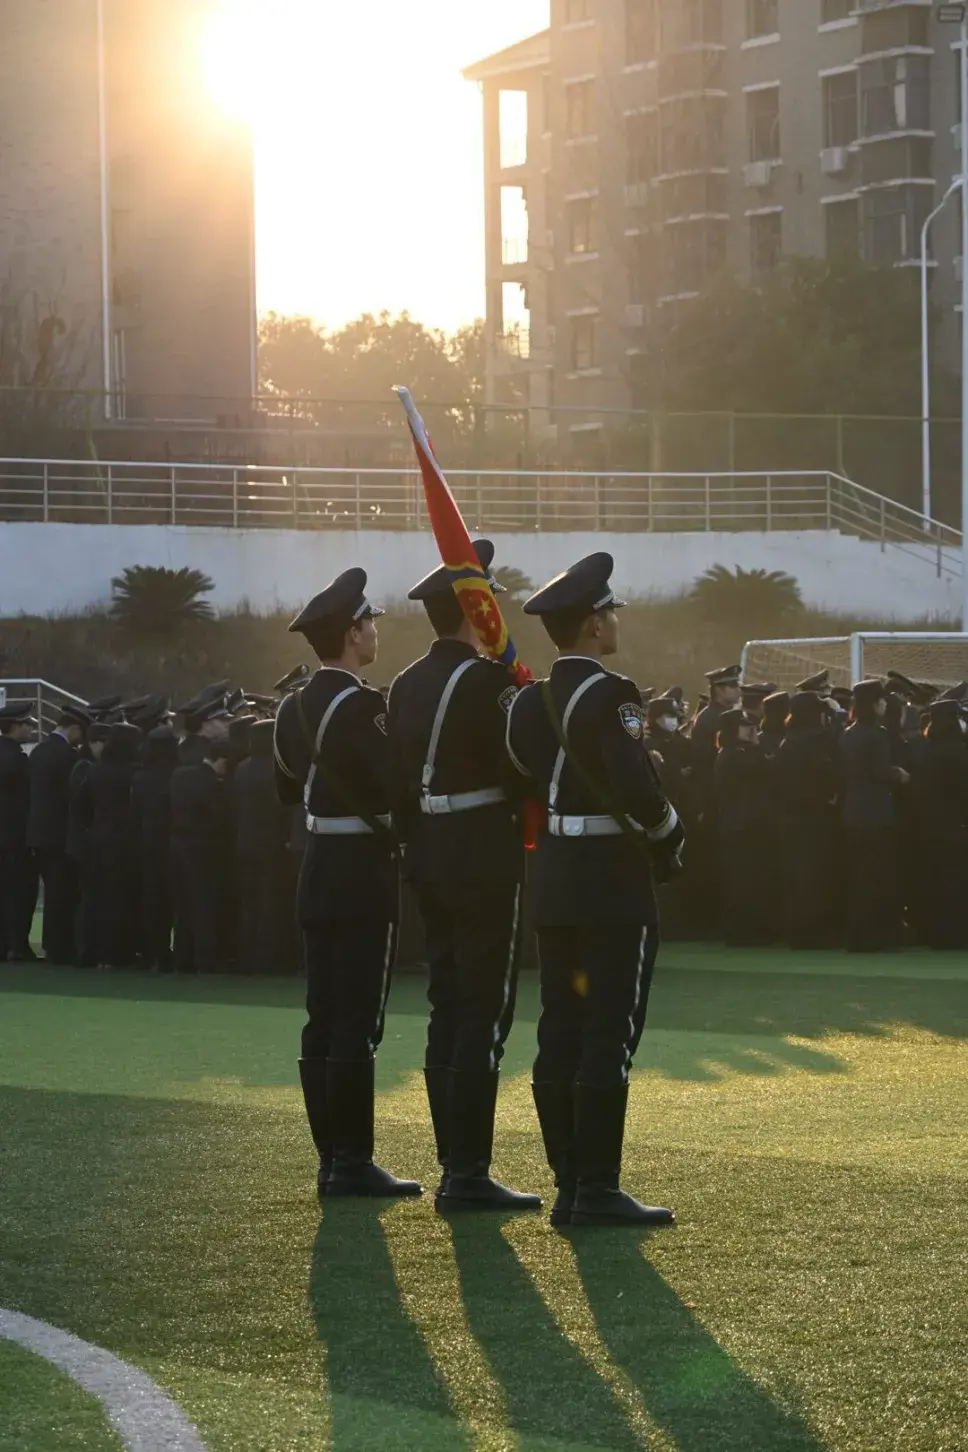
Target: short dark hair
[(444, 612), (328, 638), (564, 626), (7, 725)]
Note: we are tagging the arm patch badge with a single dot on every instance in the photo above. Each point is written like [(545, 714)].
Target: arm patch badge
[(631, 719), (506, 699)]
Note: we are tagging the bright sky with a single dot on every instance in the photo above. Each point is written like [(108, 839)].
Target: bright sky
[(369, 185)]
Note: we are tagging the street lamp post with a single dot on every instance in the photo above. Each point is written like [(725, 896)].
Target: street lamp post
[(958, 15), (925, 358)]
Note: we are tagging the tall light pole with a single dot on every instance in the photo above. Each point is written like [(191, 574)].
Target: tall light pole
[(925, 358), (958, 15)]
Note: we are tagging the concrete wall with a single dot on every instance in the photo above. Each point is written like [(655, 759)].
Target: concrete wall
[(51, 568)]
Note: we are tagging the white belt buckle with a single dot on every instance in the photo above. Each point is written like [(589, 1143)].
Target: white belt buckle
[(573, 826)]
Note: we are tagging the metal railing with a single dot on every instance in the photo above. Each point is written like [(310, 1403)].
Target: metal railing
[(254, 497), (46, 700)]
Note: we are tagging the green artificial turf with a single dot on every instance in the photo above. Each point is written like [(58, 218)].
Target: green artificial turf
[(40, 1407), (805, 1114)]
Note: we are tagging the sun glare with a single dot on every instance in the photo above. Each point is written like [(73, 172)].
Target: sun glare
[(231, 58)]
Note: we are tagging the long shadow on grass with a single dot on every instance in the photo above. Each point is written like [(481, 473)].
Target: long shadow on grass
[(373, 1348), (689, 1384), (550, 1388)]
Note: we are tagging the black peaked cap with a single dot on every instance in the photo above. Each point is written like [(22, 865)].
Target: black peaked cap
[(19, 711), (585, 586), (819, 682), (438, 582), (871, 690), (725, 676), (294, 678), (75, 716), (342, 603)]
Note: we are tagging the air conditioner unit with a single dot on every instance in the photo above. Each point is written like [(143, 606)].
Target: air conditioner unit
[(635, 315), (636, 194), (758, 173), (834, 159)]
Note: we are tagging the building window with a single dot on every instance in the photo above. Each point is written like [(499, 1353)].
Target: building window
[(690, 22), (893, 220), (840, 109), (642, 268), (766, 243), (640, 31), (763, 113), (895, 95), (641, 146), (583, 343), (512, 109), (843, 228), (762, 18), (516, 320), (577, 10), (514, 226), (831, 10), (581, 225), (580, 96)]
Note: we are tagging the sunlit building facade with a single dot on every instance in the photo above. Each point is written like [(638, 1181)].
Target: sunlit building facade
[(653, 145), (126, 210)]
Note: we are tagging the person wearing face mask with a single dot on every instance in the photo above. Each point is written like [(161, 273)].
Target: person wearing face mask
[(332, 753), (939, 802)]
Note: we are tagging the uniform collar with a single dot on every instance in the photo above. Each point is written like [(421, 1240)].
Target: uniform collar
[(588, 660), (459, 649), (341, 671)]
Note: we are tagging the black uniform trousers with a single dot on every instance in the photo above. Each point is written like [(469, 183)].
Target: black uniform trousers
[(18, 898), (348, 968), (873, 890), (201, 909), (473, 933), (595, 981), (157, 907), (265, 895), (59, 876)]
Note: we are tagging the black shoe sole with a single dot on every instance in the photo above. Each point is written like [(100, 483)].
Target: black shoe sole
[(579, 1217), (447, 1205)]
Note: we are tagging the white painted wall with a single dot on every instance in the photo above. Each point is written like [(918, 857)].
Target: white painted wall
[(53, 568)]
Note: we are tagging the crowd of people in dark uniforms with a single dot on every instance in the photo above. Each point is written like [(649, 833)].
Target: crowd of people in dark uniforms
[(180, 841), (818, 818)]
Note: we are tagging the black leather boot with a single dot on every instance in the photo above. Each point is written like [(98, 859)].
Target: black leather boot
[(469, 1185), (312, 1076), (599, 1132), (350, 1095), (439, 1081), (555, 1104)]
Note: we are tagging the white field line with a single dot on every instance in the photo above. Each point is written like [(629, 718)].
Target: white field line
[(144, 1418)]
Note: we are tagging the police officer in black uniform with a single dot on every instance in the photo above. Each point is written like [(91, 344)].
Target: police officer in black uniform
[(50, 767), (331, 750), (578, 739), (447, 718), (18, 879), (725, 693)]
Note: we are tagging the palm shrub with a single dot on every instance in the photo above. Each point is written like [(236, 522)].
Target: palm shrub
[(746, 601), (150, 600)]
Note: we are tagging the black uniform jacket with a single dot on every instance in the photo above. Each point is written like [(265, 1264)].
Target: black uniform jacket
[(940, 791), (484, 843), (865, 754), (201, 814), (582, 880), (151, 808), (807, 779), (705, 729), (50, 767), (342, 877), (741, 777), (261, 820), (14, 795)]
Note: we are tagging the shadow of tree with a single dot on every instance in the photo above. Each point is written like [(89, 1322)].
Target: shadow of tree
[(691, 1386)]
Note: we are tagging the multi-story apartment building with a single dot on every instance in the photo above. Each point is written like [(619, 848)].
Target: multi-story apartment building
[(126, 211), (639, 148)]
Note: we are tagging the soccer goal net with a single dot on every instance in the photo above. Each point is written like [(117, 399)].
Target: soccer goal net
[(939, 659)]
